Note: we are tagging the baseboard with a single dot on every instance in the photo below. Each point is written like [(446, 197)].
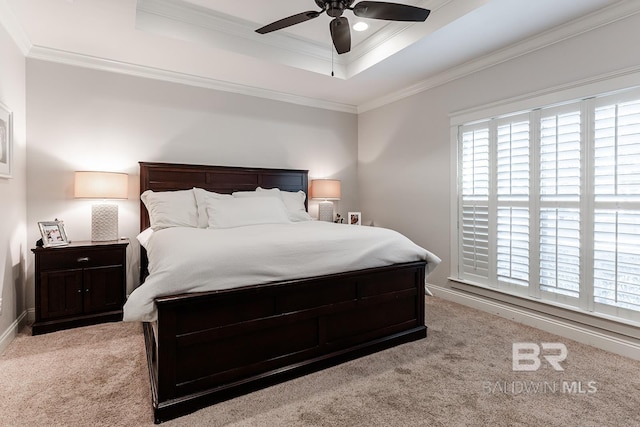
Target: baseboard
[(627, 347), (11, 332)]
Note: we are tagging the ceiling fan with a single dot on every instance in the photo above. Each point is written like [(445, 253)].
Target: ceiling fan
[(339, 25)]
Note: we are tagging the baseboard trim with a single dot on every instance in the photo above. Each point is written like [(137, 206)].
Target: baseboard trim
[(12, 331), (627, 347)]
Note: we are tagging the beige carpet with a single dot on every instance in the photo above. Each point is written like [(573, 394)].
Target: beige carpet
[(461, 375)]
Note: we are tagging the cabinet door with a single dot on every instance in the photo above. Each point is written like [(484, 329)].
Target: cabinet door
[(103, 289), (60, 293)]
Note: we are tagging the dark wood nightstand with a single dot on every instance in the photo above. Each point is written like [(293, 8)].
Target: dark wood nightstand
[(81, 284)]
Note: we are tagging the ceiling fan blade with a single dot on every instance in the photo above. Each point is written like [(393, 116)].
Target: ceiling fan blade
[(289, 21), (340, 34), (390, 11)]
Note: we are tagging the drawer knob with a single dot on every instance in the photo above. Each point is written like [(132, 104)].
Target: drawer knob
[(83, 259)]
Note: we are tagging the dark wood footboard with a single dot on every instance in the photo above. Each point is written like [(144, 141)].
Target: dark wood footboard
[(216, 345)]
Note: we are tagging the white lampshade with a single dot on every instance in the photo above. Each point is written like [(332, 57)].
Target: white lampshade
[(102, 185), (325, 189)]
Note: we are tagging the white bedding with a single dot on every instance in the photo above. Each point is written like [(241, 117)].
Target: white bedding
[(185, 259)]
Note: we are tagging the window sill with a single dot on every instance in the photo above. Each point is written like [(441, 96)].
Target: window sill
[(621, 328)]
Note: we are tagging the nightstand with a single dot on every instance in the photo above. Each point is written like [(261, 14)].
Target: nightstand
[(80, 284)]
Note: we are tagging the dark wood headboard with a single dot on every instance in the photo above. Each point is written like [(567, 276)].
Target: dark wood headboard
[(221, 179)]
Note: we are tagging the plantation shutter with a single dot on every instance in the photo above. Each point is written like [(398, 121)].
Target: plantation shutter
[(560, 190), (549, 204), (475, 209), (616, 250), (512, 245), (512, 188)]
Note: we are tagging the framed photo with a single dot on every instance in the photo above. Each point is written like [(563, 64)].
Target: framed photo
[(6, 142), (354, 218), (53, 233)]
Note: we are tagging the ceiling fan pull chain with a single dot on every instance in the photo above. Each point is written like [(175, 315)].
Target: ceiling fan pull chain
[(332, 61)]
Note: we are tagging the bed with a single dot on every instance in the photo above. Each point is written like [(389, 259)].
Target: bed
[(205, 347)]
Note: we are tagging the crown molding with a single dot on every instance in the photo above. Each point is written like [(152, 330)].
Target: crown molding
[(11, 24), (396, 36), (220, 23), (391, 30), (193, 23), (618, 11), (611, 14), (604, 84), (113, 66)]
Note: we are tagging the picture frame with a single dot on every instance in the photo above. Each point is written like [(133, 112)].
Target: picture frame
[(354, 218), (6, 141), (53, 233)]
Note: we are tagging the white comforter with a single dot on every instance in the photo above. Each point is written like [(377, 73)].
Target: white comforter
[(185, 260)]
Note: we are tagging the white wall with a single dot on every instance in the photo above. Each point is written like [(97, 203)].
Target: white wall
[(13, 244), (83, 119), (404, 148)]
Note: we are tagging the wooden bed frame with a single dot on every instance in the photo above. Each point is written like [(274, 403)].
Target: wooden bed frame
[(212, 346)]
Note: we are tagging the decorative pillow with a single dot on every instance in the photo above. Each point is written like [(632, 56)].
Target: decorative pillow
[(171, 208), (237, 212), (202, 196), (293, 201)]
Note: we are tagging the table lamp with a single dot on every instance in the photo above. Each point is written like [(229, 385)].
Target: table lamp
[(102, 185), (327, 190)]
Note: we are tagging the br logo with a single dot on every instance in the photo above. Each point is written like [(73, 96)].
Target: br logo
[(526, 355)]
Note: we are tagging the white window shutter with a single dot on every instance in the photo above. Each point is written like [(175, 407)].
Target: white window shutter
[(474, 221), (616, 269), (549, 204)]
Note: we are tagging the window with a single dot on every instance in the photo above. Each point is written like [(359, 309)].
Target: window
[(549, 204)]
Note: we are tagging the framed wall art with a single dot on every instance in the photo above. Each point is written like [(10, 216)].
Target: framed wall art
[(6, 141)]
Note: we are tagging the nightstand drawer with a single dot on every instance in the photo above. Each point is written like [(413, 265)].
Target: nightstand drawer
[(57, 259)]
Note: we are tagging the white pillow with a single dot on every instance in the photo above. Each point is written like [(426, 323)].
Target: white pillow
[(237, 212), (293, 201), (144, 237), (171, 208), (202, 196)]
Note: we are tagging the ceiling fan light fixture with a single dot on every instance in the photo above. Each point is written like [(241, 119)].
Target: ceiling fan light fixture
[(360, 26), (339, 25)]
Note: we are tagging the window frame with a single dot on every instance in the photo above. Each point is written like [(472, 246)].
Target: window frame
[(535, 109)]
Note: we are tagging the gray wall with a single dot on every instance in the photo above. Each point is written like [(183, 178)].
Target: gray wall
[(83, 119), (13, 242), (404, 164)]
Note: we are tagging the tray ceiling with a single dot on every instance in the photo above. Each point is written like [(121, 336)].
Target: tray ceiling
[(212, 43)]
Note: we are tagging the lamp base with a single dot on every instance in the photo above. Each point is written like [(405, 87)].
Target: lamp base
[(325, 211), (104, 222)]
